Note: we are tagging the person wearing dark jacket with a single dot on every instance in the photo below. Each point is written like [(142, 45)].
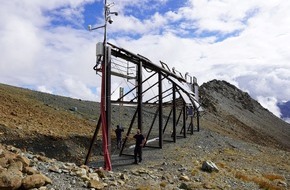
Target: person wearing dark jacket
[(118, 132), (140, 142)]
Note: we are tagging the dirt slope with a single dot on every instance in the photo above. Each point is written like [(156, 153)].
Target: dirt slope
[(30, 119), (237, 133)]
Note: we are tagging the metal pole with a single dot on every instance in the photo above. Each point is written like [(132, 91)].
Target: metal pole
[(174, 111), (184, 119), (107, 158), (160, 101), (152, 124), (105, 87), (108, 99), (140, 89), (128, 133), (167, 120), (105, 27), (197, 119), (93, 141)]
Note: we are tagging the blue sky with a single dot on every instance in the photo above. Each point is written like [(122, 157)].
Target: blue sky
[(45, 45)]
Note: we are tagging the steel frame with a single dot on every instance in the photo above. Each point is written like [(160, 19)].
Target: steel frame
[(177, 104)]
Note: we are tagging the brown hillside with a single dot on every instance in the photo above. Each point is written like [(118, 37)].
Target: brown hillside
[(33, 121), (249, 145)]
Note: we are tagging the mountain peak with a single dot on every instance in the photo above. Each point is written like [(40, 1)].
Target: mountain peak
[(234, 112), (223, 92)]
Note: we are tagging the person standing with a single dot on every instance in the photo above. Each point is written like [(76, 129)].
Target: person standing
[(118, 132), (140, 142)]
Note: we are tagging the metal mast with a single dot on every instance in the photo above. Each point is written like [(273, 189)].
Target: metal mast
[(105, 87)]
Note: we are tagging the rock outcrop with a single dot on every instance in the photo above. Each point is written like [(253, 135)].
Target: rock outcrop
[(16, 171)]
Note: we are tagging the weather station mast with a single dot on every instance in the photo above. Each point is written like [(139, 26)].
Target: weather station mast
[(103, 65)]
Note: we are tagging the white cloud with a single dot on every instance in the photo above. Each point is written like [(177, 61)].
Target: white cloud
[(287, 120), (270, 103), (77, 89), (243, 42), (43, 89), (134, 26), (36, 53), (215, 15), (255, 59), (126, 6)]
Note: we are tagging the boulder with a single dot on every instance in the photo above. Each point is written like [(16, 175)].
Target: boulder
[(73, 109), (183, 186), (85, 178), (281, 183), (163, 184), (81, 172), (94, 176), (13, 149), (124, 177), (209, 166), (85, 167), (43, 159), (30, 170), (184, 178), (3, 162), (168, 177), (10, 179), (25, 161), (35, 181), (121, 182), (101, 173), (96, 184), (16, 166), (55, 169), (6, 158), (2, 169), (208, 185)]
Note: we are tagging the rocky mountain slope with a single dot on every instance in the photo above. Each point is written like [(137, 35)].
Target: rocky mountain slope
[(248, 144), (237, 114)]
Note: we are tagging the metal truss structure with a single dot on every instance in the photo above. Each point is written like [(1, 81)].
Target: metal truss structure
[(171, 98)]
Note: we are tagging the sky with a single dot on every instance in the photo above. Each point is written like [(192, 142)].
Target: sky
[(46, 45)]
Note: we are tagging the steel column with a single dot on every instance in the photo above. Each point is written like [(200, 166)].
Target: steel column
[(197, 119), (107, 158), (93, 140), (184, 119), (152, 124), (174, 111), (167, 120), (128, 132), (108, 99), (139, 94), (160, 109)]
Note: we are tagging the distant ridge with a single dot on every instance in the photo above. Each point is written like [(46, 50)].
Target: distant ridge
[(240, 115)]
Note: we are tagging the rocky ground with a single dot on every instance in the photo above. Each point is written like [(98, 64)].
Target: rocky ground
[(240, 166), (43, 129)]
